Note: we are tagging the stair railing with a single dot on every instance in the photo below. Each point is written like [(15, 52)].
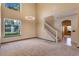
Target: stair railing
[(52, 30)]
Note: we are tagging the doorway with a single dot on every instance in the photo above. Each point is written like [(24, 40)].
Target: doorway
[(66, 29)]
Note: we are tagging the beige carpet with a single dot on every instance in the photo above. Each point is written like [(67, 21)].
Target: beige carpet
[(37, 47)]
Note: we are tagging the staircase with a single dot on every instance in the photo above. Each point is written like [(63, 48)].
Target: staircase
[(52, 32)]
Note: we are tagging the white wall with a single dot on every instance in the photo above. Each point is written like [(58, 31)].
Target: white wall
[(42, 12), (27, 27)]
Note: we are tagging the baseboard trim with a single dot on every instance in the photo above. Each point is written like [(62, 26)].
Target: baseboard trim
[(18, 40), (45, 39), (26, 39)]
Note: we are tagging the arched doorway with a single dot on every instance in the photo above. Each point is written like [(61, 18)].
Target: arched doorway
[(66, 29)]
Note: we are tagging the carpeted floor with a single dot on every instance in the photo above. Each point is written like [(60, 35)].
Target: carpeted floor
[(37, 47)]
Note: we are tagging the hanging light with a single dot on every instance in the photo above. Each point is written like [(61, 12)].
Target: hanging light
[(29, 17)]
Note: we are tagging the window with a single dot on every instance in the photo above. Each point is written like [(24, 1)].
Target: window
[(14, 6), (12, 27)]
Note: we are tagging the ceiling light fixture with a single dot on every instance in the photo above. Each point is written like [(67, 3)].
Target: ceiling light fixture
[(29, 17)]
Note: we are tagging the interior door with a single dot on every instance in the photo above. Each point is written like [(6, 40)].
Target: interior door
[(75, 29), (0, 23)]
